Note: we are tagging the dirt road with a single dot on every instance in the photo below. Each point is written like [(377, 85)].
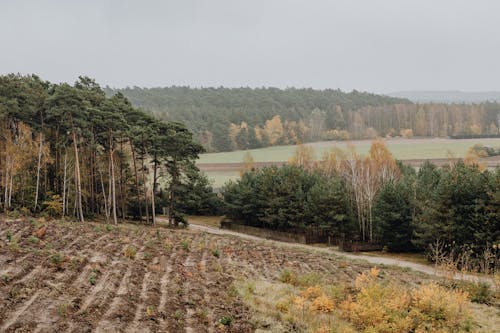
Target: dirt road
[(376, 260)]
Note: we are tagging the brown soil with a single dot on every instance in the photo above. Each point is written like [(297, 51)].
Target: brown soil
[(78, 279)]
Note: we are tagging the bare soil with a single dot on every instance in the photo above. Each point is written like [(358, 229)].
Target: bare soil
[(86, 277)]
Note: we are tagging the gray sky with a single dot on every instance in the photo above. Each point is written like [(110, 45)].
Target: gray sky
[(372, 45)]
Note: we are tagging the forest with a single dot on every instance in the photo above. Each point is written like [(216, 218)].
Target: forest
[(452, 210), (71, 151), (226, 119)]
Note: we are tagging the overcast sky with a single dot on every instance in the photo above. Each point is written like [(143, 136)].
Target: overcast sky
[(371, 45)]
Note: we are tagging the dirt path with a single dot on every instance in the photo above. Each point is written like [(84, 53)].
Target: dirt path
[(376, 260)]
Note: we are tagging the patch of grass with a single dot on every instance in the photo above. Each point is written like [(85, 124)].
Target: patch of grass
[(210, 221), (130, 252), (216, 253), (56, 260), (109, 227), (308, 279), (185, 245), (14, 244), (34, 240), (93, 278), (147, 256), (179, 316), (226, 320), (150, 310), (479, 292), (6, 278), (64, 308)]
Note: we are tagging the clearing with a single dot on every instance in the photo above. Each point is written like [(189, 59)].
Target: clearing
[(81, 277)]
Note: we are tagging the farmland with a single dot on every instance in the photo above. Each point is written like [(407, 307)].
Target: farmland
[(403, 149), (80, 277)]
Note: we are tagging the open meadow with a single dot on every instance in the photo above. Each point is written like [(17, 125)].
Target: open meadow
[(82, 277)]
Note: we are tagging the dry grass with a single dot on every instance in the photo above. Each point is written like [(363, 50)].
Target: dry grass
[(209, 221), (372, 303)]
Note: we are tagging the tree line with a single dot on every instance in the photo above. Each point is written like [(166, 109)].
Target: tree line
[(224, 119), (69, 150), (376, 199)]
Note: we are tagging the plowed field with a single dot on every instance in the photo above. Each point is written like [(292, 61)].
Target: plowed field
[(73, 277)]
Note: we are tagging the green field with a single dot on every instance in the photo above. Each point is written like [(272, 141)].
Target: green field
[(402, 149)]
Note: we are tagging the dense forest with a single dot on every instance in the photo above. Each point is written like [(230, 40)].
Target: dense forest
[(453, 210), (71, 151), (224, 119)]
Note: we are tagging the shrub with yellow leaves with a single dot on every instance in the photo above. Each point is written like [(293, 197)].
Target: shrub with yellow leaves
[(312, 292), (322, 304), (386, 307)]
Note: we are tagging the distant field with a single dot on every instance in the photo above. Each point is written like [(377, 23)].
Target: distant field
[(402, 149)]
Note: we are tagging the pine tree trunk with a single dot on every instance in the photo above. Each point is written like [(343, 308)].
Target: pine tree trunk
[(78, 180), (154, 192), (137, 190), (38, 167), (64, 184), (112, 177), (104, 197), (6, 194), (145, 186)]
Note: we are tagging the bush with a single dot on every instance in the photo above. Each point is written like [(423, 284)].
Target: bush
[(130, 252), (53, 206), (386, 307), (479, 292)]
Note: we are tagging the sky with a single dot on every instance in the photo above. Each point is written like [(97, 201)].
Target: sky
[(369, 45)]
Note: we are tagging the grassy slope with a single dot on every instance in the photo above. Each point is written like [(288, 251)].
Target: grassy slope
[(82, 276)]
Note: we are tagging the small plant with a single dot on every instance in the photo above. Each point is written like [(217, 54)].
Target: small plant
[(150, 310), (216, 253), (287, 276), (147, 256), (14, 214), (25, 211), (109, 227), (9, 236), (185, 245), (178, 315), (34, 223), (34, 240), (97, 229), (14, 244), (53, 206), (93, 278), (226, 320), (56, 260), (479, 292), (130, 252), (63, 309), (158, 234), (6, 278)]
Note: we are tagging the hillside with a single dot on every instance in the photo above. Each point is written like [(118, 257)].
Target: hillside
[(60, 276), (227, 119), (212, 113)]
